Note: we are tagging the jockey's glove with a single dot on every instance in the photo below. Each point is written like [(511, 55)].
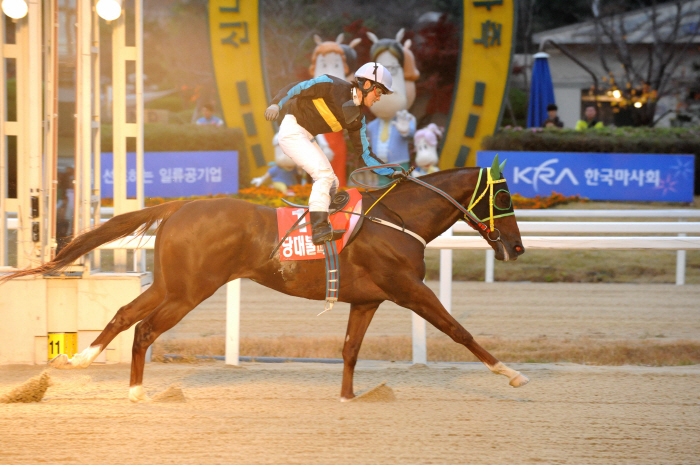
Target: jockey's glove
[(398, 174), (272, 112)]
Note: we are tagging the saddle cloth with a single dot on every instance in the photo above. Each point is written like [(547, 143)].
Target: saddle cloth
[(298, 245)]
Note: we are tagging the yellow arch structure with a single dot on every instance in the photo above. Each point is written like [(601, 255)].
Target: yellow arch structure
[(487, 48), (236, 48), (485, 59)]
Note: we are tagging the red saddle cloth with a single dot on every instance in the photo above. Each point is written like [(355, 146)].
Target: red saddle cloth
[(298, 245)]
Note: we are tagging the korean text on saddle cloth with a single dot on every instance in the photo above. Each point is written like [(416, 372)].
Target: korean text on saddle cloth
[(298, 245)]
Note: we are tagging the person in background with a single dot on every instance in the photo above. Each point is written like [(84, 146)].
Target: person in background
[(590, 121), (552, 120), (208, 118)]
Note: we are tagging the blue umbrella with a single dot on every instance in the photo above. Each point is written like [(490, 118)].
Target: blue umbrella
[(541, 91)]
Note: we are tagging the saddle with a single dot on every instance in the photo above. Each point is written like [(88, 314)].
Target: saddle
[(340, 200)]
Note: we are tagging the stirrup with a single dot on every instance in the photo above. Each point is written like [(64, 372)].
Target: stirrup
[(337, 234)]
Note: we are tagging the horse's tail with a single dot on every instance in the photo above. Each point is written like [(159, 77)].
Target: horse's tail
[(116, 228)]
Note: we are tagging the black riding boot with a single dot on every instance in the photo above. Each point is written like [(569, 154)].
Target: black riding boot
[(321, 229)]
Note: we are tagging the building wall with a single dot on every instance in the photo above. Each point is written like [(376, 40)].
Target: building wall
[(31, 307)]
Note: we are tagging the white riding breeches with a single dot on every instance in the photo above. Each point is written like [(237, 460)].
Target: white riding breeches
[(299, 145)]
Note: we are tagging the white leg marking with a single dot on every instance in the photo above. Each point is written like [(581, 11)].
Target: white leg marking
[(81, 360), (137, 394), (516, 378)]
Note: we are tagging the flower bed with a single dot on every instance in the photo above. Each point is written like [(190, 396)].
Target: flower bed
[(270, 197)]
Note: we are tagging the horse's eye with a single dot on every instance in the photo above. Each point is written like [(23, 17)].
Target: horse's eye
[(502, 200)]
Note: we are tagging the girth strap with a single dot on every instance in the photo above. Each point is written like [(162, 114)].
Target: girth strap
[(397, 227)]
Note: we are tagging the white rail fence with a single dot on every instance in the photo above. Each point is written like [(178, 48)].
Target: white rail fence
[(448, 242)]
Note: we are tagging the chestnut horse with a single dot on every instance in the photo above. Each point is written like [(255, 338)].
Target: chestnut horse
[(203, 244)]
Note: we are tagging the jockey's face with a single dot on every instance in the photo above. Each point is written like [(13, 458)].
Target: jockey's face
[(371, 96)]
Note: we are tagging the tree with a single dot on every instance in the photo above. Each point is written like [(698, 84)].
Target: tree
[(437, 57), (650, 45)]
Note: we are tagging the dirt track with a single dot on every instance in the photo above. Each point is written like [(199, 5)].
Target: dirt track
[(289, 413), (444, 413)]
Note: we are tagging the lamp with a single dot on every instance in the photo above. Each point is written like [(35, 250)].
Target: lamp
[(15, 9), (616, 93), (109, 9), (637, 104)]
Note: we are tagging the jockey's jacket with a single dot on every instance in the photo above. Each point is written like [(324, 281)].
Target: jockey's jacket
[(317, 104)]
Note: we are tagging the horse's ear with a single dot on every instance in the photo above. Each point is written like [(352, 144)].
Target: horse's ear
[(399, 35), (495, 170), (354, 42), (340, 38), (317, 39), (502, 165), (407, 44), (372, 37)]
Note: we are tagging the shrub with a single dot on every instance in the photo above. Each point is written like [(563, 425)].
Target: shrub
[(172, 102), (604, 140), (270, 197)]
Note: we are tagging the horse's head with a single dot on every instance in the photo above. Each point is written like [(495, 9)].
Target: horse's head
[(492, 206)]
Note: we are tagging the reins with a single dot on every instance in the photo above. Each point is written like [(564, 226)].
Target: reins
[(468, 215)]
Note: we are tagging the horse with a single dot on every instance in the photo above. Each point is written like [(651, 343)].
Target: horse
[(201, 245)]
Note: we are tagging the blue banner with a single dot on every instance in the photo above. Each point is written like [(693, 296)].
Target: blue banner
[(176, 174), (598, 176)]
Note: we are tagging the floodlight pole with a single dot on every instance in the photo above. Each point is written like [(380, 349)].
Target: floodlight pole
[(122, 130), (32, 240)]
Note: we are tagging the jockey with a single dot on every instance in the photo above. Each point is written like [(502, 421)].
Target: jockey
[(321, 105)]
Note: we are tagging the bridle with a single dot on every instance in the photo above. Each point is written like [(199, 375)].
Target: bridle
[(490, 183), (469, 216)]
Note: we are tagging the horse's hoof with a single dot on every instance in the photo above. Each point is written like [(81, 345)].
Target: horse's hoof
[(138, 394), (59, 361), (345, 399), (519, 380), (85, 358)]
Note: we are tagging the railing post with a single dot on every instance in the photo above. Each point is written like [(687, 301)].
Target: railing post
[(446, 275), (680, 263), (233, 319), (420, 350), (490, 257)]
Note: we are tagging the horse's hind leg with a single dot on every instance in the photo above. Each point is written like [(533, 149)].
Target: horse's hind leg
[(425, 303), (358, 322), (123, 320), (164, 317)]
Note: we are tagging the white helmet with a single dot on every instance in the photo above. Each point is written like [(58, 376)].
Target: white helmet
[(376, 73)]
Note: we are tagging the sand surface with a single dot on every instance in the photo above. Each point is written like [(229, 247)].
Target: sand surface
[(441, 413), (289, 413)]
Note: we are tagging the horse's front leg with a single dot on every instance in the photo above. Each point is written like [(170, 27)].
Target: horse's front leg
[(358, 322), (425, 303)]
